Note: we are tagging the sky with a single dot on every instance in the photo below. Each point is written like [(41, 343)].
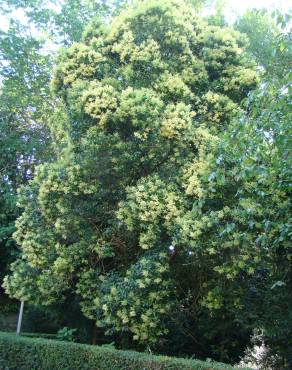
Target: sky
[(236, 7), (241, 5), (232, 9)]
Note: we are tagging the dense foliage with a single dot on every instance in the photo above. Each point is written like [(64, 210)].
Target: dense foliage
[(162, 210), (246, 208), (112, 220), (18, 353)]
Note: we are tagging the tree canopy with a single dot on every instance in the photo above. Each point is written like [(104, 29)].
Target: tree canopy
[(112, 219), (163, 206)]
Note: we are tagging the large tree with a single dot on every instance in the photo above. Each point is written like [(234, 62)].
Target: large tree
[(111, 220)]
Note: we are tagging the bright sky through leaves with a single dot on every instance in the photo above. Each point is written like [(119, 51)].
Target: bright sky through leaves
[(232, 9)]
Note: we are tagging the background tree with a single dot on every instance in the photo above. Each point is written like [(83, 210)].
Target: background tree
[(263, 32), (27, 108), (146, 97), (24, 112), (63, 22)]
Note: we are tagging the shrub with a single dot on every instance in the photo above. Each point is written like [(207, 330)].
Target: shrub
[(20, 353), (66, 334)]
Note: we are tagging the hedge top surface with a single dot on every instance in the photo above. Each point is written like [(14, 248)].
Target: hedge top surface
[(23, 353)]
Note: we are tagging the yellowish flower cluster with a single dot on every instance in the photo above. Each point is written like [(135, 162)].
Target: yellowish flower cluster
[(138, 301), (149, 205), (100, 101), (177, 121), (218, 108)]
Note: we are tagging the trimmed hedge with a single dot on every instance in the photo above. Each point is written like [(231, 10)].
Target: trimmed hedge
[(22, 353), (39, 335)]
